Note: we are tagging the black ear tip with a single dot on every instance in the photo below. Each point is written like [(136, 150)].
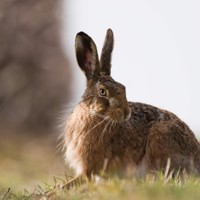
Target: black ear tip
[(81, 34), (110, 32), (82, 39)]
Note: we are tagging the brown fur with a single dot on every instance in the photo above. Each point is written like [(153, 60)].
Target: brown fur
[(104, 127)]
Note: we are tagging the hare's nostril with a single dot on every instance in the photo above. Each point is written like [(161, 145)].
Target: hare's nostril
[(127, 114)]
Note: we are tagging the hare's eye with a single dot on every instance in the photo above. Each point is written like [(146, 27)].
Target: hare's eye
[(102, 92)]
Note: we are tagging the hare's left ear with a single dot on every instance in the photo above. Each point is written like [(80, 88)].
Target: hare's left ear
[(87, 56), (106, 54)]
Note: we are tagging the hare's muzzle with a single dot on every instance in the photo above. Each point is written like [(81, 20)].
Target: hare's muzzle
[(119, 114)]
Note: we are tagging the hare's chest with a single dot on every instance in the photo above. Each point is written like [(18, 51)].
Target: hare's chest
[(73, 157), (85, 154)]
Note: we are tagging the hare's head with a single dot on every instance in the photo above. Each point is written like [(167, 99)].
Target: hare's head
[(104, 96)]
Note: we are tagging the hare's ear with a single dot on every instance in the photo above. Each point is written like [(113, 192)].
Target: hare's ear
[(106, 54), (86, 54)]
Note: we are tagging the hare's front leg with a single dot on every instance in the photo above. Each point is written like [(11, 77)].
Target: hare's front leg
[(174, 141)]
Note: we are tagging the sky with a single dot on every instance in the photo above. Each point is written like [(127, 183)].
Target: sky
[(156, 54)]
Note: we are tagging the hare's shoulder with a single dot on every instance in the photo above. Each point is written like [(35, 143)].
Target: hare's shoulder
[(149, 114)]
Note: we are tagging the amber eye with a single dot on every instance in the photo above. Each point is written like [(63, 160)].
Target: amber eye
[(102, 92)]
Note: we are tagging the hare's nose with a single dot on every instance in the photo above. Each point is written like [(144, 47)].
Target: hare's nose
[(127, 114)]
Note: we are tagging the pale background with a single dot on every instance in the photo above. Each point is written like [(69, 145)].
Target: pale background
[(157, 49)]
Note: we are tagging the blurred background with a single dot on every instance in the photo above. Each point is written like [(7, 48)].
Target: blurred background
[(156, 56)]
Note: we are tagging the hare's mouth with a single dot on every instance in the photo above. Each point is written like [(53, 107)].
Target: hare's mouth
[(120, 115)]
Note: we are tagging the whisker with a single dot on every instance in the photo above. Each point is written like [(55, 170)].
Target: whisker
[(104, 131), (97, 114), (115, 123), (106, 118), (112, 124)]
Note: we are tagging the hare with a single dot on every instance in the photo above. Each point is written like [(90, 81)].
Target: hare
[(105, 128)]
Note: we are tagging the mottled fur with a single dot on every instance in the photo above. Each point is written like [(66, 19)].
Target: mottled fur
[(105, 127)]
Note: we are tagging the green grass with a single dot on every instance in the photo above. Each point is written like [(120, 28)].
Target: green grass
[(119, 189), (31, 170)]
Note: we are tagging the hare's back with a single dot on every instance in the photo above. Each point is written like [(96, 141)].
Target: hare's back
[(147, 115), (166, 134), (153, 118)]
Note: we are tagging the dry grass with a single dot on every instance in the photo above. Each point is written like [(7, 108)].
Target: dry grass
[(115, 188)]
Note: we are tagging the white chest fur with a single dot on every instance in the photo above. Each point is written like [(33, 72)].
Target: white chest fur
[(74, 136)]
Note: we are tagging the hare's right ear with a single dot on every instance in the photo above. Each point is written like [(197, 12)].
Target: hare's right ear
[(106, 54), (86, 54)]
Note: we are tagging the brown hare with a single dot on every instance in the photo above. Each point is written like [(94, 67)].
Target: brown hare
[(105, 128)]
